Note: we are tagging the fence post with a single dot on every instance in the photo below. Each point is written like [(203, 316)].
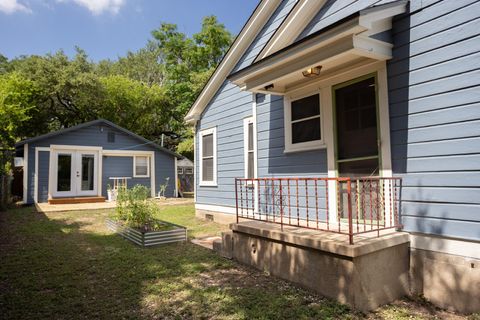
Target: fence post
[(236, 198), (349, 203)]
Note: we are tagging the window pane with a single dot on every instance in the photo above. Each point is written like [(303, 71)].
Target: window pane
[(306, 107), (141, 166), (188, 171), (207, 145), (180, 170), (64, 173), (88, 166), (207, 168), (250, 136), (250, 165), (360, 168), (356, 120), (308, 130)]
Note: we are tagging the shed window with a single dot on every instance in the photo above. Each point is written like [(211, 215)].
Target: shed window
[(111, 136), (188, 170), (208, 163), (180, 170), (141, 166)]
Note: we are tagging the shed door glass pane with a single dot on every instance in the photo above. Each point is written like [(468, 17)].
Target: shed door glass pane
[(64, 172), (88, 166)]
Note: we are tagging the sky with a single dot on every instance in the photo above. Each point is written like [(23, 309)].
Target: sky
[(105, 29)]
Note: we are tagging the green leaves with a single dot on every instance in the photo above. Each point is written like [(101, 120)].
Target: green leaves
[(148, 91), (17, 104)]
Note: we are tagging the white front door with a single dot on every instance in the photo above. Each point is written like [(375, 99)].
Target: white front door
[(75, 173)]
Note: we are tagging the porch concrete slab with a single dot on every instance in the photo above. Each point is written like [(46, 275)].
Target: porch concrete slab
[(372, 272), (322, 240)]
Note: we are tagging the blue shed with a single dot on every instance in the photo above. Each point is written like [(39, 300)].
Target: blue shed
[(80, 162), (350, 117)]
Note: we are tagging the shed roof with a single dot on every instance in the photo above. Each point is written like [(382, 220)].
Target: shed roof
[(97, 122)]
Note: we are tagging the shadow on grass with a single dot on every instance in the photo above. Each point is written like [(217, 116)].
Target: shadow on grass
[(69, 266)]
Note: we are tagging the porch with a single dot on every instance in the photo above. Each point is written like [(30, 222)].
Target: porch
[(338, 236), (350, 206)]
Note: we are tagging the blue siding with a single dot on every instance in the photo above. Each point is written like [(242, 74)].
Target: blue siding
[(96, 135), (434, 106), (334, 10), (226, 112), (435, 117), (43, 170)]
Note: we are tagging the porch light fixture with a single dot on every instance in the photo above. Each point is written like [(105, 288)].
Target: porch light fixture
[(268, 87), (312, 72)]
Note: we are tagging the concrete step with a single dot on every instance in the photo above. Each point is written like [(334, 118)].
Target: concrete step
[(76, 200)]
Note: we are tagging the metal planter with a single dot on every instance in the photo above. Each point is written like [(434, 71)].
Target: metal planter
[(147, 239)]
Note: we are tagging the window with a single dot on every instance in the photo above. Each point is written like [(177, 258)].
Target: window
[(141, 166), (180, 170), (303, 130), (249, 148), (208, 157), (111, 136), (188, 170)]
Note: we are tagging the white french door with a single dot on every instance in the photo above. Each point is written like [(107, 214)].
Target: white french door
[(75, 173)]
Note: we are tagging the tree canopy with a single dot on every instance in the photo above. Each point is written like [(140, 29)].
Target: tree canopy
[(147, 91)]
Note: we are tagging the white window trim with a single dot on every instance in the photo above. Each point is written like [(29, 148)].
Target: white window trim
[(202, 133), (135, 175), (188, 170), (302, 146), (246, 122)]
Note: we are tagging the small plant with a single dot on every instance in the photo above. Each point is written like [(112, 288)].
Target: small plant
[(163, 188), (134, 209)]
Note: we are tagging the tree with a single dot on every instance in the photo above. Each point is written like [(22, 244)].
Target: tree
[(17, 104)]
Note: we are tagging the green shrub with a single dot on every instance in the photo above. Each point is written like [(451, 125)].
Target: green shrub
[(134, 209)]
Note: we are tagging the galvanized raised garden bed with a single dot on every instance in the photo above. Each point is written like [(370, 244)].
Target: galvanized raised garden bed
[(150, 238)]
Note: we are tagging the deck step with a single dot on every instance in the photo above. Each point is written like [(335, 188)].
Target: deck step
[(76, 200)]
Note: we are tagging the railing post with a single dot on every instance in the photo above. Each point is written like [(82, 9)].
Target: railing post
[(236, 198), (349, 203), (281, 205)]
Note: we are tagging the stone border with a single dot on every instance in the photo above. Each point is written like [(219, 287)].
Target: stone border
[(149, 238)]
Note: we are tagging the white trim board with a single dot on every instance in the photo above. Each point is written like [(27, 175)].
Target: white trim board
[(212, 131), (25, 173), (296, 21), (258, 19), (176, 178), (216, 208), (464, 248)]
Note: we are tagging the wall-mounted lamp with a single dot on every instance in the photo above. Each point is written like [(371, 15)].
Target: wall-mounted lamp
[(312, 72), (268, 87)]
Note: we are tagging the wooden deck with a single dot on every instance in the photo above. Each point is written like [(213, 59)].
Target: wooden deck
[(76, 200)]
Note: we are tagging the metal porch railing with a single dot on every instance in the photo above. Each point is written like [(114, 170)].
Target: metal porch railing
[(349, 206)]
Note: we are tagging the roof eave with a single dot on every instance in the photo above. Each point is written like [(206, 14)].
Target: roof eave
[(257, 20)]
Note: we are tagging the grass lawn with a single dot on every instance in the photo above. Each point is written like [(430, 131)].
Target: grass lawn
[(69, 266)]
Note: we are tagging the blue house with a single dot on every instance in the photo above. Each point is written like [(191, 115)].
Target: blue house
[(79, 163), (359, 120)]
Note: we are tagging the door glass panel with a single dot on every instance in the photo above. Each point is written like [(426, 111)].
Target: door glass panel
[(356, 121), (64, 172), (88, 166)]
